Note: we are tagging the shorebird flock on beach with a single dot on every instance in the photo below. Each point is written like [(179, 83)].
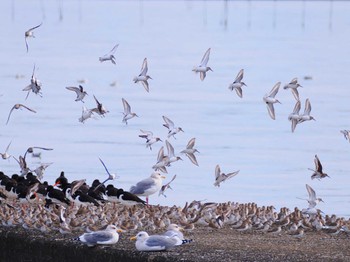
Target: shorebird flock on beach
[(96, 213)]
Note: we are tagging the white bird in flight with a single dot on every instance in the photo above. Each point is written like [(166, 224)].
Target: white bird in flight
[(110, 55), (18, 106), (30, 33), (293, 85), (221, 177), (81, 93), (237, 84), (127, 112), (190, 150), (203, 68), (270, 99), (306, 116), (143, 77), (294, 117), (171, 127)]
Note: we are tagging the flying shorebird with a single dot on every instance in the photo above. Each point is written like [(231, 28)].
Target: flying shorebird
[(127, 112), (171, 127), (18, 106), (143, 77), (318, 173), (110, 176), (34, 86), (30, 150), (306, 116), (313, 200), (293, 85), (294, 117), (203, 68), (171, 154), (162, 161), (237, 84), (81, 93), (86, 114), (189, 151), (109, 55), (6, 155), (30, 33), (166, 186), (150, 139), (270, 99), (346, 134), (100, 109), (221, 177)]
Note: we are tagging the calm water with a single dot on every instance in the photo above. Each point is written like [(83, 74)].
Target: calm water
[(272, 41)]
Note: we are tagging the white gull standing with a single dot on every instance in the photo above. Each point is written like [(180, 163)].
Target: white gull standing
[(148, 186)]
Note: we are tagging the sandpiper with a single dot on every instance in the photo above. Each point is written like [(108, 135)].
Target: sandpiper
[(6, 155), (171, 154), (143, 77), (30, 33), (294, 117), (127, 112), (346, 134), (34, 86), (270, 99), (203, 68), (110, 55), (18, 106), (190, 150), (306, 116), (100, 109), (171, 127), (237, 84), (293, 85), (166, 186), (81, 93), (221, 177), (150, 139), (318, 173)]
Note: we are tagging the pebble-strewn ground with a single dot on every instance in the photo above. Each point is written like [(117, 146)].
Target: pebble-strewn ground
[(209, 244)]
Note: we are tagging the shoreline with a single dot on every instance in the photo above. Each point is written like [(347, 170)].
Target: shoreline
[(225, 244)]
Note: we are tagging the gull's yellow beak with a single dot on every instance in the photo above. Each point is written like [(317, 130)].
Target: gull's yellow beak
[(120, 230), (163, 177), (133, 238)]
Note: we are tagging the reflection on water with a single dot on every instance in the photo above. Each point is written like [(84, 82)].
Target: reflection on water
[(271, 40)]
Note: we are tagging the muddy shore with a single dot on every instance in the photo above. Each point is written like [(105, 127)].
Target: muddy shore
[(225, 244)]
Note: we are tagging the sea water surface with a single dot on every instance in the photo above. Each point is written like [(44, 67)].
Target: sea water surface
[(271, 40)]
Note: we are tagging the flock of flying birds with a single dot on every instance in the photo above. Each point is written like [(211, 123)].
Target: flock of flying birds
[(165, 160)]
